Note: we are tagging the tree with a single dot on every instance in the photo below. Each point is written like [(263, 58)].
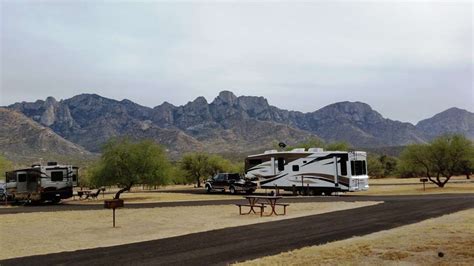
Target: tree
[(381, 166), (337, 146), (201, 165), (196, 165), (125, 163), (374, 166), (439, 160), (5, 165)]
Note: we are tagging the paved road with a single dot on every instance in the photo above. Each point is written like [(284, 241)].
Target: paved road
[(220, 247)]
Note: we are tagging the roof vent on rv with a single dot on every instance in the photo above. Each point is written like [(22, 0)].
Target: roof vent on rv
[(52, 163), (315, 149), (298, 150), (270, 151)]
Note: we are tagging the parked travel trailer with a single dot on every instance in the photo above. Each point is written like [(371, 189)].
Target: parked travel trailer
[(51, 182), (313, 171)]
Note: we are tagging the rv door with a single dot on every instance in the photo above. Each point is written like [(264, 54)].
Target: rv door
[(21, 184)]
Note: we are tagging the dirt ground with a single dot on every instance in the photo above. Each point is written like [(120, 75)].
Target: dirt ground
[(49, 232), (417, 244), (145, 197), (413, 186)]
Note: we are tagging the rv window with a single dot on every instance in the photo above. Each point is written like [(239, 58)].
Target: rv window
[(296, 168), (75, 172), (32, 177), (281, 164), (22, 178), (343, 167), (254, 162), (57, 176), (358, 168)]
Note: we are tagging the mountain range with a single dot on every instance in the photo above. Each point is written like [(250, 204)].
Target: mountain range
[(229, 124)]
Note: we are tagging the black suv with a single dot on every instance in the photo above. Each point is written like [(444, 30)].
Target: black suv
[(230, 182)]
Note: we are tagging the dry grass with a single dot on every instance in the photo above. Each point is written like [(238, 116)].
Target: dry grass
[(386, 187), (145, 197), (393, 180), (48, 232), (416, 244)]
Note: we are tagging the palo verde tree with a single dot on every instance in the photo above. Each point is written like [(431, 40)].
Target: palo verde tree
[(125, 163), (198, 166), (439, 160)]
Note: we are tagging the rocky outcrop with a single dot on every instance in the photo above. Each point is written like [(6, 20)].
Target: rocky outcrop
[(231, 123), (453, 120), (21, 137)]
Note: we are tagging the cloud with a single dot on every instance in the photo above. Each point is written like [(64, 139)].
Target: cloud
[(300, 56)]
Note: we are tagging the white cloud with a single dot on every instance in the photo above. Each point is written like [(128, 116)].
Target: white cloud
[(156, 51)]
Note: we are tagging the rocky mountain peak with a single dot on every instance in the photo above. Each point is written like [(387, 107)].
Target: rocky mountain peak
[(452, 120), (50, 100), (225, 97), (353, 111), (49, 115), (200, 100)]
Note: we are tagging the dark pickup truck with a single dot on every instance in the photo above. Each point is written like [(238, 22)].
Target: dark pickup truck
[(230, 182)]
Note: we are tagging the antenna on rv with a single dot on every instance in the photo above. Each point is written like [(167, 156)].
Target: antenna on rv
[(282, 145)]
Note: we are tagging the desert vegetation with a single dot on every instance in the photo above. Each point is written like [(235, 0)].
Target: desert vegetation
[(125, 163)]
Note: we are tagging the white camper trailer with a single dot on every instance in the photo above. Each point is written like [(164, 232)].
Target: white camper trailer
[(51, 182), (314, 170)]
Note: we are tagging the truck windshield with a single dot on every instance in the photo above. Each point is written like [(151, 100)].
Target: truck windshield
[(234, 176)]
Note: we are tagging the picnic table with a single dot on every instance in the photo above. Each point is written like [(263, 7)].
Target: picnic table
[(85, 193), (255, 202)]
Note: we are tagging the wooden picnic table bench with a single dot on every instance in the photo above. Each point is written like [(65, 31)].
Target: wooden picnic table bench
[(261, 206), (269, 201), (85, 193)]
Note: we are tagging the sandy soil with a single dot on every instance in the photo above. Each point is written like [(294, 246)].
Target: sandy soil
[(43, 233), (145, 197), (393, 180), (416, 189), (417, 244)]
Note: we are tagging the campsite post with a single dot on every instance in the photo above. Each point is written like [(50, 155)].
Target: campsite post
[(113, 204), (424, 180)]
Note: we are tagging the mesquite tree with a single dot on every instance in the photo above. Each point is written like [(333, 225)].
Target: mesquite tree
[(441, 159), (126, 163)]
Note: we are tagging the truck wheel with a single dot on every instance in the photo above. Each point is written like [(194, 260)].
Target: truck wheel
[(232, 190), (208, 189), (56, 200), (250, 191)]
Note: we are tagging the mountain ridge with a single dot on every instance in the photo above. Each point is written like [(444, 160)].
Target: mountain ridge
[(230, 122)]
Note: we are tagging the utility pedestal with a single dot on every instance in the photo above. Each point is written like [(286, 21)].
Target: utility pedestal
[(113, 204)]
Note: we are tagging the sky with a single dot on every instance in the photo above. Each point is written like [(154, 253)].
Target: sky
[(408, 60)]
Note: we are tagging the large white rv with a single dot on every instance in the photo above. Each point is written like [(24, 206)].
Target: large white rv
[(51, 182), (312, 171)]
